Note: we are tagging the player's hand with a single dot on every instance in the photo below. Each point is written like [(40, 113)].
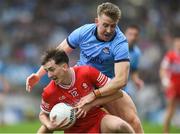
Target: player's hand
[(86, 100), (139, 84), (82, 112), (31, 81), (53, 125)]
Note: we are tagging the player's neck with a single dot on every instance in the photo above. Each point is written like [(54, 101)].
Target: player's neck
[(68, 79)]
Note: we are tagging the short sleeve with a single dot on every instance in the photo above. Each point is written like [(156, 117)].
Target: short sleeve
[(121, 51), (46, 103), (97, 78), (74, 39)]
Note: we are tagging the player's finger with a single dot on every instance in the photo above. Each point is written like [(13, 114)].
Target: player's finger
[(84, 115), (63, 123), (78, 111), (27, 86), (80, 114)]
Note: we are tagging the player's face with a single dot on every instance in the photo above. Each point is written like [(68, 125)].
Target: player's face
[(56, 72), (105, 27), (177, 44), (132, 35)]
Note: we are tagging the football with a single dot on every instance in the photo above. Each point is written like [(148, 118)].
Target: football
[(61, 111)]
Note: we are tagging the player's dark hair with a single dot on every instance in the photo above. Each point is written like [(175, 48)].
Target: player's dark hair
[(59, 56), (134, 26)]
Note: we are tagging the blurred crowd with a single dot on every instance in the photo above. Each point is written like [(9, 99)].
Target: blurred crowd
[(29, 27)]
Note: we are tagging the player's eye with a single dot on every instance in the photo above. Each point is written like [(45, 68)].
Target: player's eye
[(105, 25)]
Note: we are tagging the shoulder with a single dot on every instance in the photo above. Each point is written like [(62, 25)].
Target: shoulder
[(87, 28), (120, 39), (82, 69)]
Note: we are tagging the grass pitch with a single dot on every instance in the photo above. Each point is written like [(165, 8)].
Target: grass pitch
[(32, 127)]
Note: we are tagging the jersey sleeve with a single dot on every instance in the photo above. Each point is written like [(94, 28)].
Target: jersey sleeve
[(121, 51), (75, 38), (47, 101), (45, 104), (97, 78)]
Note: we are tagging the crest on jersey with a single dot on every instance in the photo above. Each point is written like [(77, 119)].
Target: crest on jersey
[(62, 98), (84, 85), (106, 50)]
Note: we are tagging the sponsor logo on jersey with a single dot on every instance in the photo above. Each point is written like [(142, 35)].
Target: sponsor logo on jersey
[(62, 98)]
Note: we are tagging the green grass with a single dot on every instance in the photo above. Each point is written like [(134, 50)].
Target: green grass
[(32, 127)]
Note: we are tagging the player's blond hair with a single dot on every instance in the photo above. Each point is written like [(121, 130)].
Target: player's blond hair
[(109, 9)]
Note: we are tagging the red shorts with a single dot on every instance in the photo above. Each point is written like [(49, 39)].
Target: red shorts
[(173, 91), (90, 124)]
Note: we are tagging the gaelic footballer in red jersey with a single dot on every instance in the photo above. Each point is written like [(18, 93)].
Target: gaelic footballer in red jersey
[(69, 85), (171, 63), (170, 79)]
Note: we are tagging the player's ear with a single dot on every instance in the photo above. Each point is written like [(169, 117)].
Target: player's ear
[(65, 66)]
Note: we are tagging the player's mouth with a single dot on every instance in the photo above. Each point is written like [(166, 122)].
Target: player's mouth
[(108, 36)]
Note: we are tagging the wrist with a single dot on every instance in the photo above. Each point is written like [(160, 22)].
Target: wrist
[(97, 93)]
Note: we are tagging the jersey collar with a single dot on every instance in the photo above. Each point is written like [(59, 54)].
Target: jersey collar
[(95, 33)]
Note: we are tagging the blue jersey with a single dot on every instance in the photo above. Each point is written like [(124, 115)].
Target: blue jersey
[(97, 53), (135, 54)]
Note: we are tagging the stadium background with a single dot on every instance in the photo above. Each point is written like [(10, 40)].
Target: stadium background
[(29, 27)]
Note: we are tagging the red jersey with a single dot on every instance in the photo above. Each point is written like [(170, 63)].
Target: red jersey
[(85, 80), (171, 62)]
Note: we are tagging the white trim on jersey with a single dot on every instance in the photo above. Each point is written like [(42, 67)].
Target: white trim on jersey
[(47, 112), (165, 63)]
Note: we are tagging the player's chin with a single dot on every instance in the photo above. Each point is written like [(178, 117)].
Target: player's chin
[(107, 38)]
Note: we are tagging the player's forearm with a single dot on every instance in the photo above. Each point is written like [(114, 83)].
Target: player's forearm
[(113, 86), (41, 72), (103, 100), (119, 81), (44, 119), (135, 76)]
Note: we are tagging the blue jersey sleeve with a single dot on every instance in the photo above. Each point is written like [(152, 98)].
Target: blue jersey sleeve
[(121, 51), (74, 38)]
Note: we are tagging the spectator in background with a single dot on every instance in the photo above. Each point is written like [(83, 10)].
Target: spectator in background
[(170, 79), (4, 88), (132, 34)]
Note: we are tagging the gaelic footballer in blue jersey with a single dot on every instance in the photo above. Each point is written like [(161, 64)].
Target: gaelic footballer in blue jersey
[(103, 46), (132, 33)]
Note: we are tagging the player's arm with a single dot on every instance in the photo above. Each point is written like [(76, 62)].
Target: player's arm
[(105, 99), (105, 85), (82, 111), (163, 72), (118, 82), (44, 119), (34, 78), (136, 79)]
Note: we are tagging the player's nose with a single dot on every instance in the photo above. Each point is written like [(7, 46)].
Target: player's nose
[(50, 75)]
